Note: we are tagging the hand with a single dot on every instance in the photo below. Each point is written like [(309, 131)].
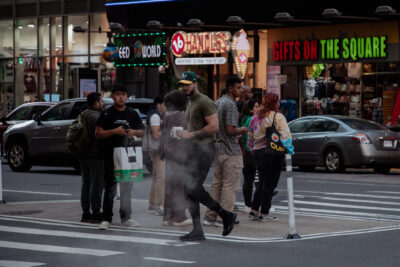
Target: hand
[(184, 134), (120, 131), (130, 133), (243, 130)]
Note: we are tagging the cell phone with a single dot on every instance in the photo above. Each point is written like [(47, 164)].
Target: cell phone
[(126, 127)]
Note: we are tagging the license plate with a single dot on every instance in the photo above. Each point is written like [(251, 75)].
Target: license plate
[(387, 143)]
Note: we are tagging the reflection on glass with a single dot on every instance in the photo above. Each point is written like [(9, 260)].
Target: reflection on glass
[(108, 73), (98, 33), (6, 87), (6, 39), (26, 78), (25, 37), (76, 43), (44, 37), (71, 65)]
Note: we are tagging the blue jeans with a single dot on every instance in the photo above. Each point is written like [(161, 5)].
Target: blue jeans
[(92, 185)]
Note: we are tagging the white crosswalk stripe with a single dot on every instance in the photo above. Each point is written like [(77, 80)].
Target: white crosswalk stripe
[(371, 205)]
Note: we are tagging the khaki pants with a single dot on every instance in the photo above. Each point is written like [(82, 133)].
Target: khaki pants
[(227, 177), (158, 182)]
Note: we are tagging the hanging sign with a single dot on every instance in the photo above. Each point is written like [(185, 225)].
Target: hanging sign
[(139, 50), (200, 60), (198, 43), (241, 52)]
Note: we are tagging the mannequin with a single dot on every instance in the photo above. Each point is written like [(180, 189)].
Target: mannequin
[(309, 88)]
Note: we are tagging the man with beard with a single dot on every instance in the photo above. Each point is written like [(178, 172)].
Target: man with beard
[(202, 124)]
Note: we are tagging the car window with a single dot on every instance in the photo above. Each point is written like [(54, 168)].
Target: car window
[(20, 114), (359, 124), (322, 125), (56, 113), (38, 109), (77, 109), (299, 126), (144, 108)]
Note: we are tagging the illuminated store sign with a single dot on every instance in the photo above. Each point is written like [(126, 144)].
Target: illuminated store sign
[(355, 48), (140, 50), (198, 43)]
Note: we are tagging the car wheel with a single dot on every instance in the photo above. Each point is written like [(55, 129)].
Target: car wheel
[(382, 169), (334, 160), (18, 157), (306, 168)]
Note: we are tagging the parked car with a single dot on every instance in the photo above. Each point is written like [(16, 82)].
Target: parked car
[(337, 142), (22, 113), (41, 141)]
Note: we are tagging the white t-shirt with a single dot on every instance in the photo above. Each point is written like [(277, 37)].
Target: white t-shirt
[(155, 120)]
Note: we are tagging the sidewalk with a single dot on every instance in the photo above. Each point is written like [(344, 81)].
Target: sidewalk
[(306, 225)]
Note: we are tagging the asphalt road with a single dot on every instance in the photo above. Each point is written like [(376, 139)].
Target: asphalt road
[(356, 194)]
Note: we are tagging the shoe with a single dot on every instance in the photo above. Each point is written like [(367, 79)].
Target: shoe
[(209, 222), (228, 219), (272, 209), (166, 223), (157, 210), (236, 208), (104, 225), (253, 215), (183, 223), (275, 193), (95, 219), (86, 217), (246, 210), (193, 236), (267, 218), (130, 223), (221, 224), (151, 207)]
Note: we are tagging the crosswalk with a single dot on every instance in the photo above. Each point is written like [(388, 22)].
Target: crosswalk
[(368, 205), (51, 236)]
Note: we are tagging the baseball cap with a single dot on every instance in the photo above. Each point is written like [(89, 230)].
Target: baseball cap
[(188, 77)]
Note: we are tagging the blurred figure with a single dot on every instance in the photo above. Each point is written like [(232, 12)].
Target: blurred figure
[(151, 144), (175, 153), (377, 113), (268, 164), (245, 95), (228, 161)]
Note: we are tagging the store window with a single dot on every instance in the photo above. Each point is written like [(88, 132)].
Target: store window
[(108, 73), (26, 80), (56, 36), (26, 37), (70, 75), (76, 43), (44, 37), (6, 39), (6, 86), (98, 33)]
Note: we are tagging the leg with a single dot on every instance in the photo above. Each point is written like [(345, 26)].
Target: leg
[(85, 190), (216, 187), (179, 202), (96, 186), (249, 172), (126, 204), (168, 194), (274, 167), (260, 163), (232, 169), (159, 168), (110, 189)]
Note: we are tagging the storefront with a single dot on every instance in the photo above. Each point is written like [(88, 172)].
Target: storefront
[(336, 69)]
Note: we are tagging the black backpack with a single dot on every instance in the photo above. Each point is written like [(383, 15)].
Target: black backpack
[(78, 139), (274, 145)]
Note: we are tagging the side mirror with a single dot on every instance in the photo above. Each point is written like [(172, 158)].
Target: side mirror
[(3, 120), (37, 117)]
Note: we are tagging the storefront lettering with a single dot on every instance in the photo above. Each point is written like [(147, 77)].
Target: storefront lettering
[(355, 48), (124, 52), (151, 51)]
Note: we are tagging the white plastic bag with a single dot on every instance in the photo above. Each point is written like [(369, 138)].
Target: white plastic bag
[(128, 164)]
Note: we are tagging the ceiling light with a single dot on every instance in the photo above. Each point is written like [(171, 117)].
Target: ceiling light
[(385, 11), (283, 16), (154, 24), (31, 25), (235, 20), (331, 12), (194, 22)]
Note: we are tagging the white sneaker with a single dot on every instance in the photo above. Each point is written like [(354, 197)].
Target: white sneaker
[(246, 209), (104, 225), (272, 209), (158, 210), (183, 223), (130, 223)]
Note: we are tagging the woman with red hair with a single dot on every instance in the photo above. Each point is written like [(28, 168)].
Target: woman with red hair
[(268, 164)]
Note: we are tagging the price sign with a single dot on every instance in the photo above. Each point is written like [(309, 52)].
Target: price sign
[(178, 44)]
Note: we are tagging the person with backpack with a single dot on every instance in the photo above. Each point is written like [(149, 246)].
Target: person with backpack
[(151, 143), (269, 140), (117, 125), (91, 161)]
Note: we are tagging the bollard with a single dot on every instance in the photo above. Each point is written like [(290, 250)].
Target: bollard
[(289, 180)]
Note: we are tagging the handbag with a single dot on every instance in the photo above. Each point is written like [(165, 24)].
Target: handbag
[(274, 145), (128, 163)]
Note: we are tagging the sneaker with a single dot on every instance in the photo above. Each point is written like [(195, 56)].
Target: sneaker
[(96, 218), (183, 223), (253, 215), (159, 211), (229, 221), (275, 193), (267, 218), (272, 209), (236, 208), (209, 222), (246, 210), (130, 223), (151, 207), (104, 225), (86, 218), (166, 223)]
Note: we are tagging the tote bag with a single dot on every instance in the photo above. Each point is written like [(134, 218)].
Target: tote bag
[(274, 145), (128, 164)]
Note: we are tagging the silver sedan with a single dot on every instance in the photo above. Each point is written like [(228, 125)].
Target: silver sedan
[(337, 142)]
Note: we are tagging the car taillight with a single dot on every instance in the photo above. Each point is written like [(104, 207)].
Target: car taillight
[(362, 138)]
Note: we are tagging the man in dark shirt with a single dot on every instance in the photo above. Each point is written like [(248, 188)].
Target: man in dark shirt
[(92, 164), (115, 125), (202, 124)]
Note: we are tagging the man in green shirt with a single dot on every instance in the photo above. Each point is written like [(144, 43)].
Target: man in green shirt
[(202, 124)]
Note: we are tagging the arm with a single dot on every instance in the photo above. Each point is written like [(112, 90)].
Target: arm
[(156, 132), (211, 128), (138, 133), (232, 130), (103, 134), (284, 132)]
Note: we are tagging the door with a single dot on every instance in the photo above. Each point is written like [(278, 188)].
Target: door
[(298, 129), (318, 135), (47, 136)]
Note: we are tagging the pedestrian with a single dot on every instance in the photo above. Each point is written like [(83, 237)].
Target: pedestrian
[(92, 164), (151, 144), (377, 113), (250, 108), (269, 164), (115, 125), (202, 124), (175, 153), (245, 95), (228, 161)]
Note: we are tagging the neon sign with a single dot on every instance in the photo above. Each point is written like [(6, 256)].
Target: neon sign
[(355, 48), (192, 43)]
